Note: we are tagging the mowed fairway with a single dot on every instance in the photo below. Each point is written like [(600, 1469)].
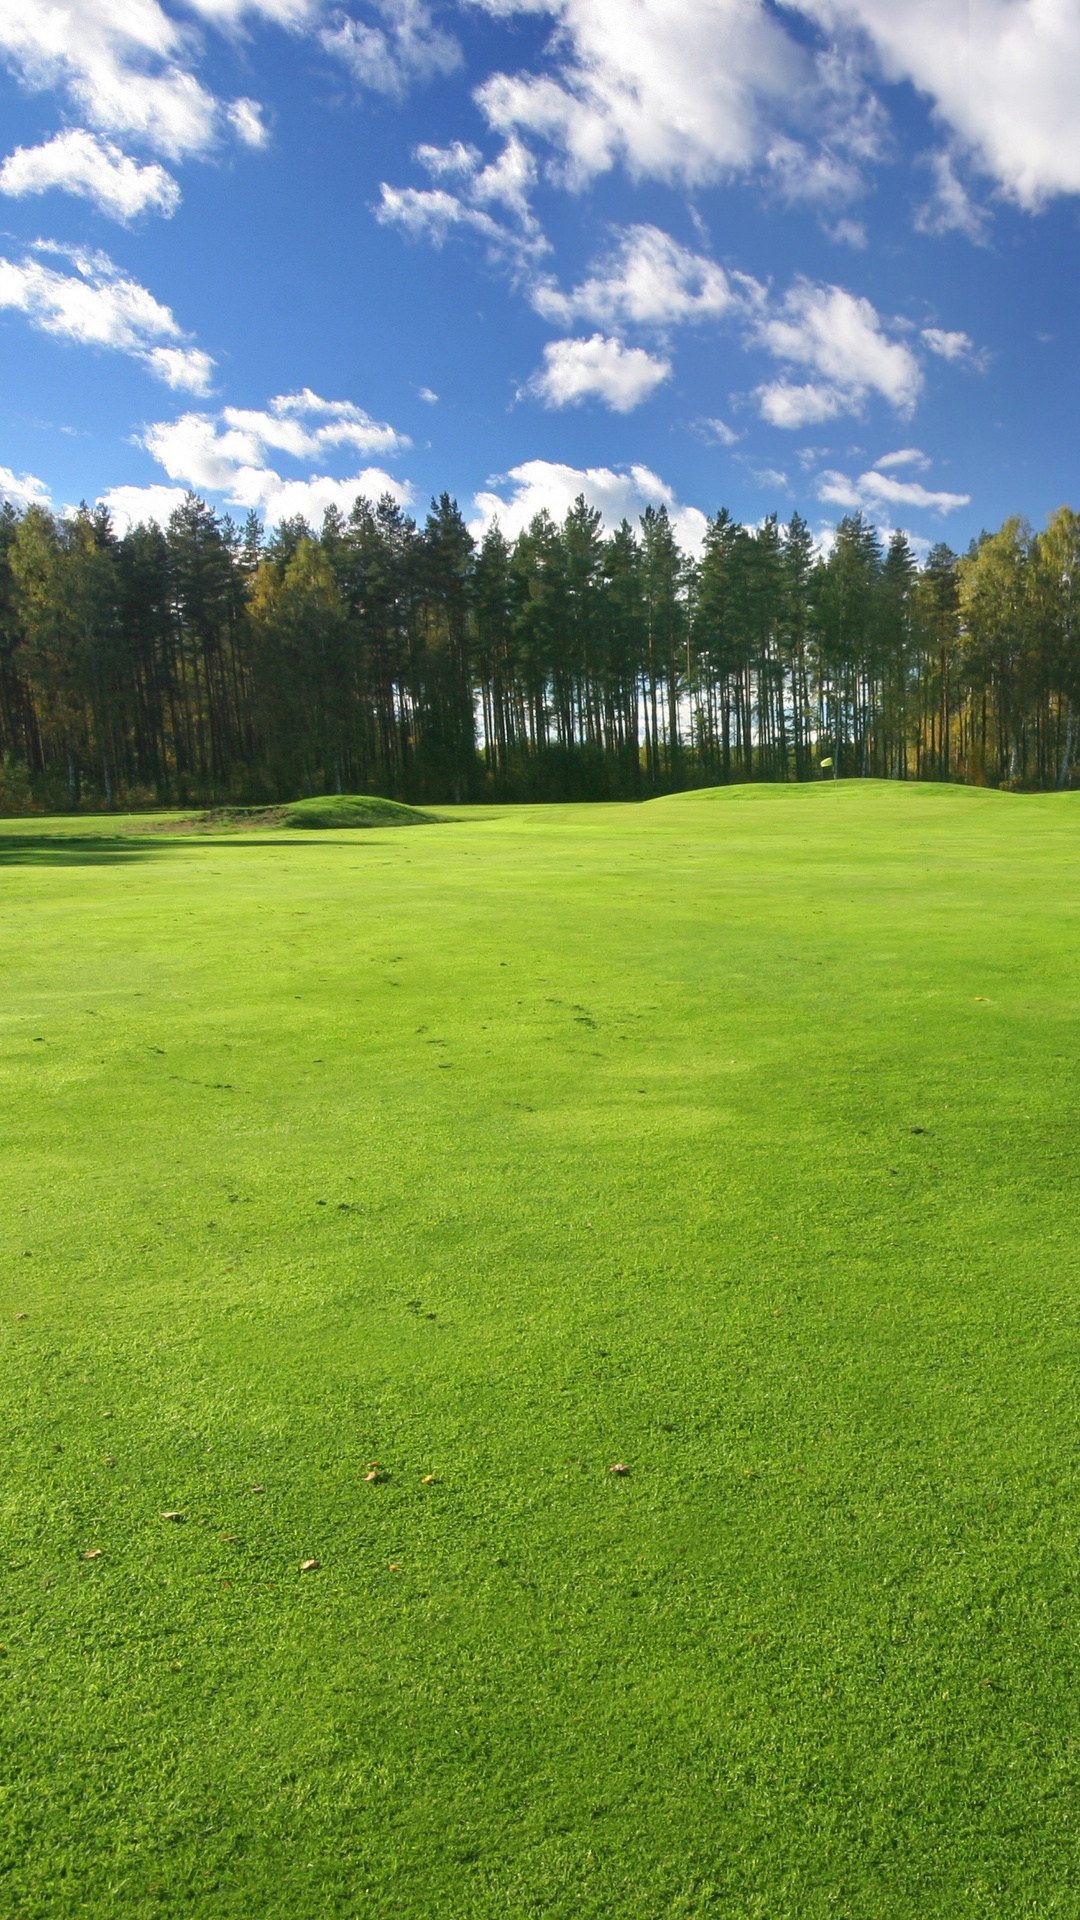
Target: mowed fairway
[(733, 1138)]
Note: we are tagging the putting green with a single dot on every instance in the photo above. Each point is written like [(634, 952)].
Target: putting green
[(732, 1139)]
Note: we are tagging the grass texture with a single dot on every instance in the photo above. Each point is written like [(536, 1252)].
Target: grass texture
[(367, 1197), (353, 810)]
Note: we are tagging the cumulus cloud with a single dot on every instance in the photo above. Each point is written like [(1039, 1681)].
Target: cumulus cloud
[(228, 453), (951, 346), (130, 68), (139, 506), (598, 368), (903, 457), (23, 489), (647, 280), (78, 162), (184, 369), (1004, 80), (716, 432), (99, 306), (512, 233), (706, 88), (247, 122), (849, 233), (689, 93), (622, 493), (875, 489), (784, 403), (406, 46), (840, 337)]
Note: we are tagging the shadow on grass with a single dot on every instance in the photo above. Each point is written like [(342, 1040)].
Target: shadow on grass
[(70, 850)]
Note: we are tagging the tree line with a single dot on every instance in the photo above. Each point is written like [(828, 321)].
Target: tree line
[(203, 662)]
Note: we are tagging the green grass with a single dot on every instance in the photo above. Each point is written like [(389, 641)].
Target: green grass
[(353, 810), (733, 1138)]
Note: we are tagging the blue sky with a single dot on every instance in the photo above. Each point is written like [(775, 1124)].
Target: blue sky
[(712, 252)]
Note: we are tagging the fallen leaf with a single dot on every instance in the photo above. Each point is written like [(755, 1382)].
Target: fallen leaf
[(618, 1468), (308, 1566), (20, 1316), (427, 1479), (109, 1461), (177, 1515), (258, 1489), (227, 1536), (106, 1416), (93, 1553), (376, 1473), (394, 1566)]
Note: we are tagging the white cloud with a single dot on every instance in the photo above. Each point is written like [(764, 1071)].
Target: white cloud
[(718, 432), (247, 122), (227, 454), (515, 242), (903, 457), (184, 369), (682, 90), (783, 404), (875, 489), (597, 369), (127, 66), (950, 208), (78, 162), (23, 489), (841, 338), (771, 477), (138, 506), (429, 396), (309, 499), (288, 426), (849, 233), (1003, 77), (621, 494), (693, 90), (448, 162), (99, 306), (407, 46), (648, 280), (948, 346)]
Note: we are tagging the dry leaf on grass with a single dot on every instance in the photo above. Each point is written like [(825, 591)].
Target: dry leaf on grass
[(618, 1468), (93, 1553), (427, 1479), (177, 1515), (309, 1566)]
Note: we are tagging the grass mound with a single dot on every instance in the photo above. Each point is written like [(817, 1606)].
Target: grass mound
[(354, 810)]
